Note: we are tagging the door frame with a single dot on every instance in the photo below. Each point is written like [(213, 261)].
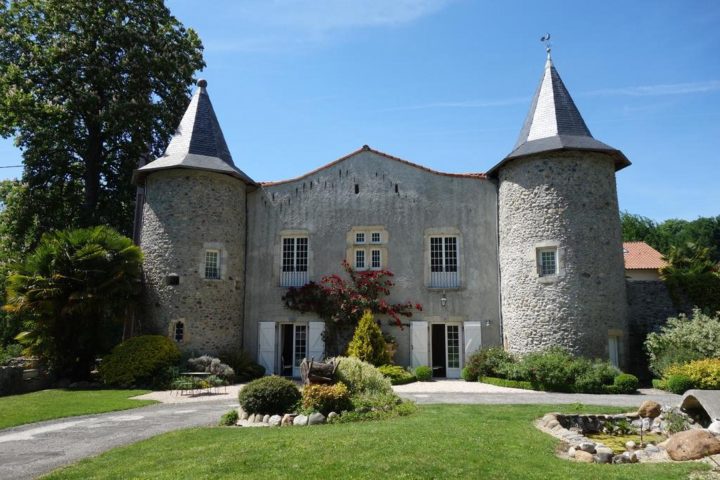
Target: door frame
[(449, 372), (280, 341)]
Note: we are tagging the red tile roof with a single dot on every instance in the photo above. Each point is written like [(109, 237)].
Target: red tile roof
[(641, 256), (365, 148)]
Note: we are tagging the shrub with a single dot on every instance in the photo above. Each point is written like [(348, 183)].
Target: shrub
[(504, 382), (659, 383), (140, 361), (423, 373), (326, 398), (488, 362), (229, 419), (368, 343), (626, 383), (244, 367), (397, 374), (361, 378), (269, 395), (683, 340), (9, 352), (551, 370), (704, 374), (679, 383), (211, 365), (592, 376)]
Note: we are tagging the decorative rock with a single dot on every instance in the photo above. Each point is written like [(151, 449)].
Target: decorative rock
[(275, 420), (243, 415), (714, 427), (571, 452), (692, 444), (287, 419), (649, 409), (588, 447), (652, 448), (604, 450), (552, 424), (584, 457), (630, 445), (316, 419), (266, 419), (332, 416), (300, 420), (604, 457), (251, 418), (620, 459)]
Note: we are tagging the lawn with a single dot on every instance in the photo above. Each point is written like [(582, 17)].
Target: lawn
[(440, 441), (49, 404)]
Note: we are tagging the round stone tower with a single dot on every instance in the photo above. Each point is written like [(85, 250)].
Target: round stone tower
[(561, 260), (192, 234)]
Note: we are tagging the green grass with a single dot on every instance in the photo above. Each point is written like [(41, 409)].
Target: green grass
[(440, 441), (49, 404)]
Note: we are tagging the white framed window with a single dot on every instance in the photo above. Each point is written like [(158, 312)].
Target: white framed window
[(179, 331), (453, 346), (444, 262), (547, 262), (375, 259), (300, 351), (212, 264), (359, 259), (360, 237), (294, 267), (375, 237)]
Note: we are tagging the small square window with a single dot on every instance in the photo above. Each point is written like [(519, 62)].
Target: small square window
[(360, 237), (212, 264), (359, 259), (548, 262), (179, 333), (375, 259), (375, 237)]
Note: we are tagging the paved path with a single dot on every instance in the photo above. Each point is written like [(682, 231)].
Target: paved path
[(32, 450)]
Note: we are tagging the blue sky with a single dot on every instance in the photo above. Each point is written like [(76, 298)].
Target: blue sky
[(447, 84)]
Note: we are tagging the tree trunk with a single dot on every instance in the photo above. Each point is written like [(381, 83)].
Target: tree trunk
[(91, 176)]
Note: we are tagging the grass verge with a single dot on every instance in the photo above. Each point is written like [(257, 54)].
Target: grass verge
[(48, 404), (440, 441)]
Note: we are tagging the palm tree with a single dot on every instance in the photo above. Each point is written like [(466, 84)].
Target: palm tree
[(73, 291)]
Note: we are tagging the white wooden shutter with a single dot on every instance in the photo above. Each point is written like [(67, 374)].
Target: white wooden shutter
[(266, 346), (316, 345), (473, 337), (419, 342)]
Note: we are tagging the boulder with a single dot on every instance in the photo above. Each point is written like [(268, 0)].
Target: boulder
[(242, 414), (692, 444), (316, 419), (620, 459), (649, 409), (630, 445), (332, 416), (300, 420), (275, 420), (287, 419), (266, 418), (571, 452), (588, 447), (603, 457), (584, 457), (714, 427)]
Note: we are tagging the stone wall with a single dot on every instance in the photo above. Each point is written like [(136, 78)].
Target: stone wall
[(649, 306), (567, 200), (185, 213)]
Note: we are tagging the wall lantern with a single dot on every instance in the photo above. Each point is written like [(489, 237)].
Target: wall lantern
[(443, 299), (488, 322)]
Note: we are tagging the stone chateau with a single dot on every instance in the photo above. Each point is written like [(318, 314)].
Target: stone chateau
[(528, 255)]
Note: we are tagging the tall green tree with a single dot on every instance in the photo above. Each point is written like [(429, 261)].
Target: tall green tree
[(87, 88), (71, 291)]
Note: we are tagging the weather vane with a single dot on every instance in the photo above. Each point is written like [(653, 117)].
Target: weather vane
[(546, 40)]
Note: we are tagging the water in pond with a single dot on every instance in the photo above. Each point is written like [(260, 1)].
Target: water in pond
[(617, 442)]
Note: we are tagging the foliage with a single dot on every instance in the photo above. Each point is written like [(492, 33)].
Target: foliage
[(626, 383), (326, 398), (49, 404), (490, 362), (206, 363), (74, 290), (243, 365), (87, 89), (368, 343), (423, 373), (675, 421), (704, 374), (682, 340), (679, 383), (9, 352), (361, 377), (229, 419), (504, 382), (551, 370), (397, 374), (439, 441), (659, 383), (140, 361), (269, 396), (341, 303), (593, 376)]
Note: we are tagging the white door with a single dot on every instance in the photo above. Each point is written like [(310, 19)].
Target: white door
[(316, 345), (266, 346), (614, 350), (419, 343), (472, 331), (453, 351), (300, 347)]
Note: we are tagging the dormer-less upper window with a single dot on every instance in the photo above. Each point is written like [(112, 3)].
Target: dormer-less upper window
[(360, 237), (212, 264)]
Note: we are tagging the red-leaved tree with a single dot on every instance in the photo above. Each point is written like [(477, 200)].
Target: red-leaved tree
[(341, 303)]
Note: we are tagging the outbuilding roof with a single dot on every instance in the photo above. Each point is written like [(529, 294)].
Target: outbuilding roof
[(641, 256), (198, 143)]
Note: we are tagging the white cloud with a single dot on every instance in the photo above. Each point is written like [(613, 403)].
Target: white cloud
[(659, 90)]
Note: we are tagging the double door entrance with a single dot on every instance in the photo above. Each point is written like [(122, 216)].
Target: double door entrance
[(443, 346), (283, 345)]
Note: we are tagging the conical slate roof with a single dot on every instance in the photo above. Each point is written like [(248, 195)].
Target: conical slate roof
[(198, 143), (554, 123)]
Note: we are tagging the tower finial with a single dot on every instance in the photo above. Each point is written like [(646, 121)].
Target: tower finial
[(546, 40)]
